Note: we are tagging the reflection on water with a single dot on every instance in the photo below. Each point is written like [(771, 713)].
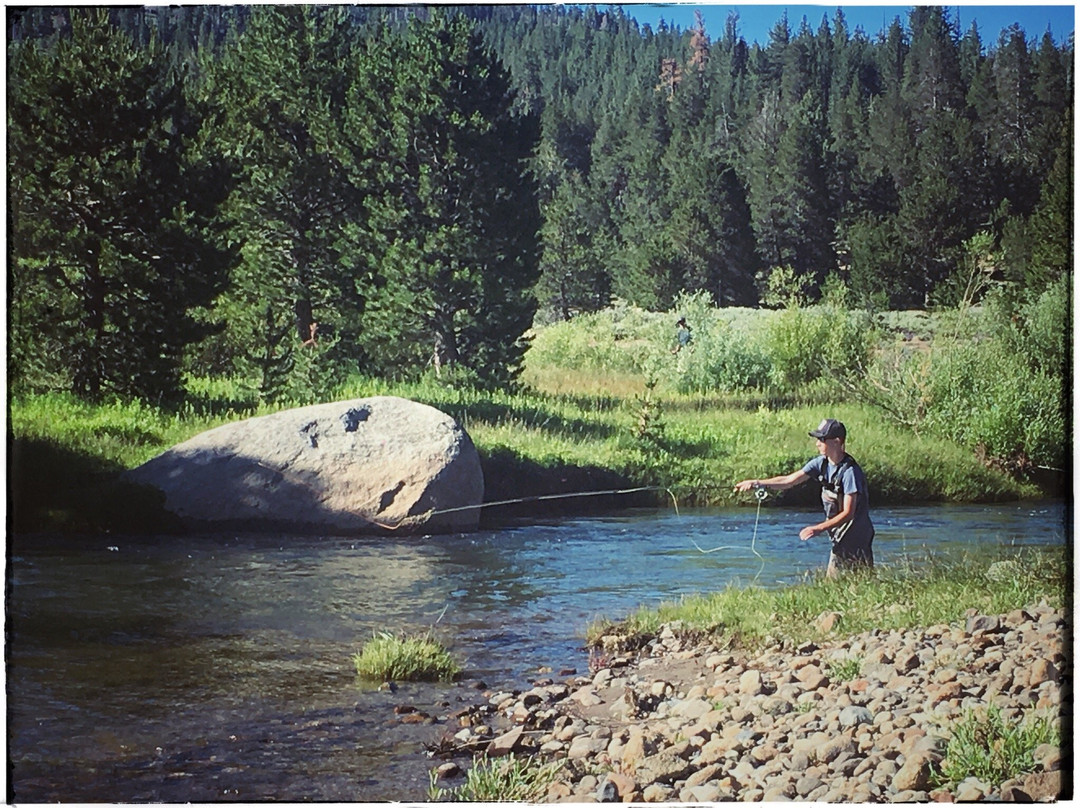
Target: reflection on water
[(216, 667)]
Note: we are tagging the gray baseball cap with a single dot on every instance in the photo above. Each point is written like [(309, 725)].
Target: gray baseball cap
[(829, 428)]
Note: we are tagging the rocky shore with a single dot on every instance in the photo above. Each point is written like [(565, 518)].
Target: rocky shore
[(845, 719)]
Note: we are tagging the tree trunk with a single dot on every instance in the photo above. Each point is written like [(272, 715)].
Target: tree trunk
[(90, 371)]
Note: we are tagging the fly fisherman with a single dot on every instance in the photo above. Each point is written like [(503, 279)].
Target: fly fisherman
[(844, 495), (683, 335)]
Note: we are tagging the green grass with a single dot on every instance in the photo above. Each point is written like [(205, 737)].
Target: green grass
[(530, 443), (508, 779), (983, 743), (575, 426), (388, 658), (845, 670), (704, 444), (921, 592)]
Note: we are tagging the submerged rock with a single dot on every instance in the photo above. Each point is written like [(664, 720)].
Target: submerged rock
[(361, 466)]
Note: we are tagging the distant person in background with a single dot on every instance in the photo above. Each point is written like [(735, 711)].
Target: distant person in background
[(845, 497), (682, 335)]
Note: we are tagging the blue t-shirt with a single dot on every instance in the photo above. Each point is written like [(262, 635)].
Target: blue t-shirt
[(836, 482)]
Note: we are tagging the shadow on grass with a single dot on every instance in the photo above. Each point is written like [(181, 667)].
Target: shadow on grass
[(53, 488), (509, 476), (214, 407), (533, 417)]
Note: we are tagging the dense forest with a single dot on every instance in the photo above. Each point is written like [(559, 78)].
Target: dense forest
[(288, 194)]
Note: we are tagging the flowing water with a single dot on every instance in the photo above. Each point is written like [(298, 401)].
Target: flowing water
[(218, 667)]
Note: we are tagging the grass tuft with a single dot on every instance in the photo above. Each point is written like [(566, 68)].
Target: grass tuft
[(387, 657), (509, 779), (985, 744), (844, 670)]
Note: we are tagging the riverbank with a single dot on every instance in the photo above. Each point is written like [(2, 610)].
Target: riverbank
[(67, 456), (944, 680), (878, 716)]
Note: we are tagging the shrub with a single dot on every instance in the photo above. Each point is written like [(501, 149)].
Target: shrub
[(397, 658), (804, 344), (1044, 334), (988, 398), (618, 339), (721, 360)]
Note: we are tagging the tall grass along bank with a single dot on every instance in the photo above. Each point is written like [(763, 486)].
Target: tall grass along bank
[(606, 404), (914, 592), (531, 443)]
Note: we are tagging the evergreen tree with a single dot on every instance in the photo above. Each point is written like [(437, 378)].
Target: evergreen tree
[(1051, 224), (377, 165), (791, 210), (110, 240), (1053, 100), (573, 278), (1011, 122), (643, 271), (278, 91), (462, 257)]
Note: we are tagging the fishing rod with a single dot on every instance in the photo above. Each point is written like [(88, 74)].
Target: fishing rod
[(294, 478), (535, 498)]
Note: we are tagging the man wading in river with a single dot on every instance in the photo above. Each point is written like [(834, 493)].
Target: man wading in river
[(844, 495)]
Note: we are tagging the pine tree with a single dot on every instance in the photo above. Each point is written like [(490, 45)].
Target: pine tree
[(1051, 224), (1052, 102), (643, 268), (462, 257), (573, 277), (110, 240), (278, 91)]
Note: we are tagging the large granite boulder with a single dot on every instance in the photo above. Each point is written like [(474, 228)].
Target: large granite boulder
[(367, 465)]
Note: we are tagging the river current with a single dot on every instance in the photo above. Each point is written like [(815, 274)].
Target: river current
[(208, 668)]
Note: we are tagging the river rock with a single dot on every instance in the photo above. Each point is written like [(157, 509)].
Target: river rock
[(1043, 786), (448, 770), (1048, 756), (853, 716), (915, 774), (750, 683), (663, 767), (656, 793), (875, 739), (506, 744), (359, 466)]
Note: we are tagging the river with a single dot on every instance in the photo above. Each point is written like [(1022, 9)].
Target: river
[(210, 668)]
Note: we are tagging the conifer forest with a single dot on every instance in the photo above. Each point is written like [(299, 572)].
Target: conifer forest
[(291, 194)]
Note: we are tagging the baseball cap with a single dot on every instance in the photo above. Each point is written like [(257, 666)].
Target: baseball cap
[(829, 428)]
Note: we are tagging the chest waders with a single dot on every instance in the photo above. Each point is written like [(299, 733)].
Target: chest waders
[(832, 496)]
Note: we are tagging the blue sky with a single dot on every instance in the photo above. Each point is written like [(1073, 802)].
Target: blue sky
[(755, 20)]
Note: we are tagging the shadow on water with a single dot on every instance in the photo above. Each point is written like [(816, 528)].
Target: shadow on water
[(52, 487)]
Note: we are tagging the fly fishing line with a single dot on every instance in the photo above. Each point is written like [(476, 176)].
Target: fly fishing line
[(760, 494)]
